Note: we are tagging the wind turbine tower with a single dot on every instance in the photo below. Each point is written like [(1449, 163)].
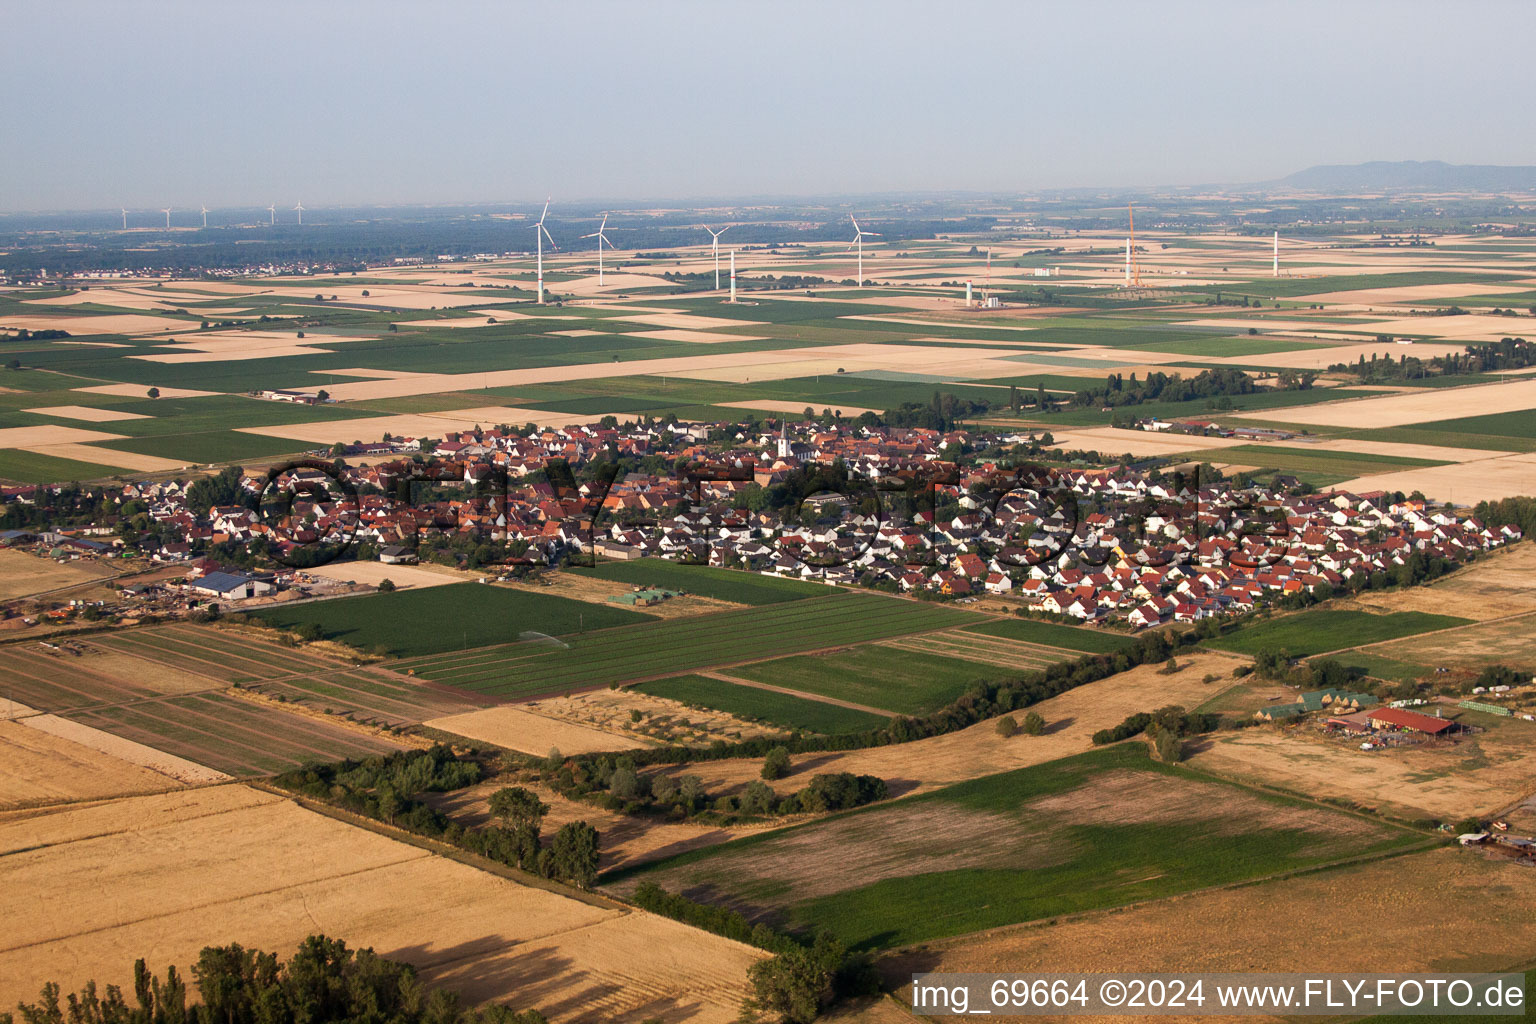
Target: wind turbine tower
[(858, 240), (167, 212), (300, 208), (1127, 262), (1131, 251), (272, 215), (714, 245), (601, 238), (1277, 254), (125, 217), (540, 232), (205, 216), (733, 275)]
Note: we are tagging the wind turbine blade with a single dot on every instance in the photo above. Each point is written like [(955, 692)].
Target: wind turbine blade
[(872, 234), (855, 222), (603, 224), (725, 229), (546, 211)]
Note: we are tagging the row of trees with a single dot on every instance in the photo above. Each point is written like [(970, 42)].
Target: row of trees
[(323, 981), (1507, 354), (619, 785), (387, 788)]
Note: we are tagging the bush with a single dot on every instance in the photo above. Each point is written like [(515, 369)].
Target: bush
[(1007, 727), (1034, 724), (776, 764)]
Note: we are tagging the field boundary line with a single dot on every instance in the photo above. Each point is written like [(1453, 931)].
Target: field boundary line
[(797, 693)]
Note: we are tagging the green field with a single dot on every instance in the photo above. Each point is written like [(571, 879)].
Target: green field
[(457, 617), (1321, 630), (893, 679), (721, 584), (31, 468), (781, 709), (1073, 638), (677, 646), (1101, 829), (1521, 424)]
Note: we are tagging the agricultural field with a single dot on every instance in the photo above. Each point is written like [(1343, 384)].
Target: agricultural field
[(41, 768), (1099, 829), (901, 679), (768, 706), (720, 584), (1478, 774), (239, 737), (271, 873), (1323, 630), (225, 656), (1353, 918), (674, 646), (23, 574), (1050, 634), (1453, 655), (458, 617)]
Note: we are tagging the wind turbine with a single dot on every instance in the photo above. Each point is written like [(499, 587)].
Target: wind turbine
[(167, 212), (540, 232), (858, 240), (272, 215), (125, 217), (714, 245), (300, 208), (205, 216), (601, 238)]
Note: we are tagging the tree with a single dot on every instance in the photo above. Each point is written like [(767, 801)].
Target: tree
[(574, 853), (518, 806), (776, 764), (1167, 745), (154, 392), (1034, 724), (794, 986), (323, 395), (1007, 727), (386, 586)]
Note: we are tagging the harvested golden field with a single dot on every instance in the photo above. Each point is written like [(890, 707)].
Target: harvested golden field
[(1402, 408), (1071, 719), (516, 729), (1442, 910), (1499, 583), (404, 577), (1479, 774), (86, 413), (597, 591), (640, 716), (111, 323), (39, 768), (434, 424), (1137, 442), (173, 873), (22, 573), (1505, 476), (1508, 641), (139, 391)]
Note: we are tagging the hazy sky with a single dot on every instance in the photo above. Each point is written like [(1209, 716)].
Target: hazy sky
[(145, 104)]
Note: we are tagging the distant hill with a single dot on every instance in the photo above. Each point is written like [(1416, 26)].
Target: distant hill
[(1415, 175)]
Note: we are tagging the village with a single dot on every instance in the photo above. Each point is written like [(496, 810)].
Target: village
[(935, 514)]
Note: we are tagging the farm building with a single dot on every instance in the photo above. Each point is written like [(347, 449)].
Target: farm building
[(1409, 721), (1316, 700), (395, 554), (229, 585)]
